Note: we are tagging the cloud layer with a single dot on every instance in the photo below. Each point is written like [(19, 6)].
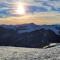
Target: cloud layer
[(35, 6)]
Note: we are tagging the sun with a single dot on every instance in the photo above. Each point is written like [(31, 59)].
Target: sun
[(20, 9)]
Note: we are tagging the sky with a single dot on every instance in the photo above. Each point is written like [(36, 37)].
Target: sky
[(47, 11)]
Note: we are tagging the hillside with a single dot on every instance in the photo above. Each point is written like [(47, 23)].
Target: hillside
[(31, 41), (29, 35)]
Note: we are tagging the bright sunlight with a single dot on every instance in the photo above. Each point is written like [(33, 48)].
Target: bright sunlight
[(20, 9)]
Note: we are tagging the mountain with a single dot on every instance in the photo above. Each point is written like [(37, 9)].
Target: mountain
[(29, 35)]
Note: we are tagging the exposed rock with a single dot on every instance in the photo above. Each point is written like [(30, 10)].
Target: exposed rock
[(34, 39)]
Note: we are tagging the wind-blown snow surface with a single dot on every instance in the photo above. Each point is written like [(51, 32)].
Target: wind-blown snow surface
[(16, 53)]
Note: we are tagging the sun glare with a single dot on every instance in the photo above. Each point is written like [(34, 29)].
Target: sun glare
[(20, 9)]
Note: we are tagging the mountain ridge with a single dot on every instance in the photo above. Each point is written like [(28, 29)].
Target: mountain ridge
[(29, 35)]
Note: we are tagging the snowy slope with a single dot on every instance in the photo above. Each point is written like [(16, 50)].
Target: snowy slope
[(17, 53)]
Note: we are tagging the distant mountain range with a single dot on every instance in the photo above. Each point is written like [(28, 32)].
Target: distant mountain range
[(29, 35)]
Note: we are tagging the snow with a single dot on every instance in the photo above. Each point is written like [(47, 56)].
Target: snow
[(18, 53)]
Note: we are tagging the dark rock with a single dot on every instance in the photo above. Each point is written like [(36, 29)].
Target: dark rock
[(34, 39)]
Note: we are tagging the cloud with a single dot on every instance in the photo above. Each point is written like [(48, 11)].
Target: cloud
[(33, 6), (41, 18), (50, 5)]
